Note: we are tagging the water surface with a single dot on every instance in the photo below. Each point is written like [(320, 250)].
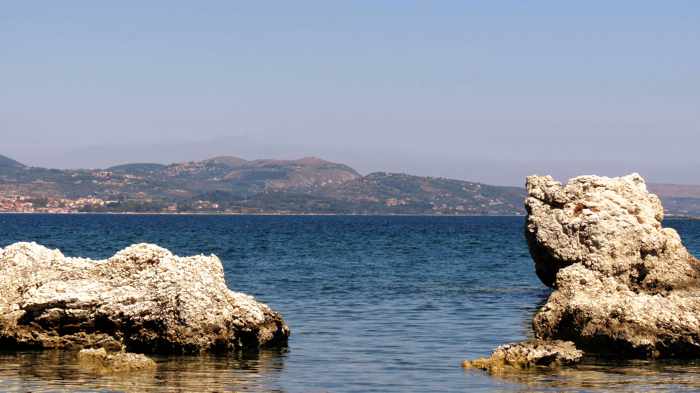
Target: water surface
[(375, 304)]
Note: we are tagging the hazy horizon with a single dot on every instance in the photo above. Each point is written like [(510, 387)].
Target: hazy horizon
[(509, 170), (480, 91)]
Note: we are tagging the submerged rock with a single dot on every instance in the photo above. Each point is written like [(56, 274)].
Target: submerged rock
[(143, 299), (528, 354), (623, 284), (101, 361)]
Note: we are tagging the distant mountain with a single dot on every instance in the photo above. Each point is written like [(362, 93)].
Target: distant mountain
[(406, 194), (231, 184), (674, 190), (235, 185), (6, 162), (227, 160), (678, 199), (138, 168), (247, 178)]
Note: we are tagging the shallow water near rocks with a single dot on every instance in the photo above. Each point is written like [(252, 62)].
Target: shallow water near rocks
[(375, 304)]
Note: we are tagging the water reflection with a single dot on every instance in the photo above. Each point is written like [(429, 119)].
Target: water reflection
[(44, 371), (376, 304), (596, 375)]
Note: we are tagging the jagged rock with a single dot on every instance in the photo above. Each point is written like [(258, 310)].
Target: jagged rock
[(143, 299), (101, 361), (528, 354), (623, 284)]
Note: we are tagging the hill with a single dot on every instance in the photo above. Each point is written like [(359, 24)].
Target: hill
[(406, 194), (230, 184), (137, 168), (678, 199), (6, 162), (235, 185), (675, 190)]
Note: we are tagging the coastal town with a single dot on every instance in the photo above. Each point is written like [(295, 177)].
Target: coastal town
[(230, 185), (23, 204), (49, 205)]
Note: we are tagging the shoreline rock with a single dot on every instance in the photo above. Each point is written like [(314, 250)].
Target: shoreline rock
[(103, 362), (623, 285), (527, 355), (143, 299)]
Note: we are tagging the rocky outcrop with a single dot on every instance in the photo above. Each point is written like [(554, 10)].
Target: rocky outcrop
[(143, 299), (623, 284), (101, 361), (528, 354)]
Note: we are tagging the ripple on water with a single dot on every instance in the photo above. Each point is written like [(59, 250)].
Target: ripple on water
[(375, 304)]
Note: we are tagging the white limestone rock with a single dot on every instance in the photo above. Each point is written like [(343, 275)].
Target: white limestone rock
[(623, 284), (143, 299)]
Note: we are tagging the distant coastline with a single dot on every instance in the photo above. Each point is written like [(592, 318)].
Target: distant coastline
[(234, 186), (291, 214), (271, 214)]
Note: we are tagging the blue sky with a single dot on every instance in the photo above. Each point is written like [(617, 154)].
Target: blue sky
[(488, 91)]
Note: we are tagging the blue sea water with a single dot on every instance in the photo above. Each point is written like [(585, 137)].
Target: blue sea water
[(375, 304)]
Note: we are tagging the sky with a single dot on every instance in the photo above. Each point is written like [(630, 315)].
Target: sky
[(486, 91)]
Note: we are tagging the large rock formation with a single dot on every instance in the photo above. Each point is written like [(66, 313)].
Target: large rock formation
[(143, 299), (623, 284)]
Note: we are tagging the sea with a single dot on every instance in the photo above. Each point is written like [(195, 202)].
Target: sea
[(375, 304)]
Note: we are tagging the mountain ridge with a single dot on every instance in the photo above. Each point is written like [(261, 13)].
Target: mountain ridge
[(234, 185), (9, 162), (229, 184)]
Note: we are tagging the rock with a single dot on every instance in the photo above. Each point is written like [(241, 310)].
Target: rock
[(101, 361), (143, 299), (623, 284), (528, 354)]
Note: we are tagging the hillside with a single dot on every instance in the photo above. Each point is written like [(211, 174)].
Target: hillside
[(235, 185), (230, 184), (6, 162), (137, 168), (405, 194), (678, 199)]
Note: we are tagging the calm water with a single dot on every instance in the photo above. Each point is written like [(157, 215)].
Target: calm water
[(375, 304)]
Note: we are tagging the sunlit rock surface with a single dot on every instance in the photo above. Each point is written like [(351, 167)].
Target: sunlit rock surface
[(526, 355), (143, 299), (101, 361), (623, 284)]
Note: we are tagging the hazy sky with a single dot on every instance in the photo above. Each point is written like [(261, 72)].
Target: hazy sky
[(479, 90)]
